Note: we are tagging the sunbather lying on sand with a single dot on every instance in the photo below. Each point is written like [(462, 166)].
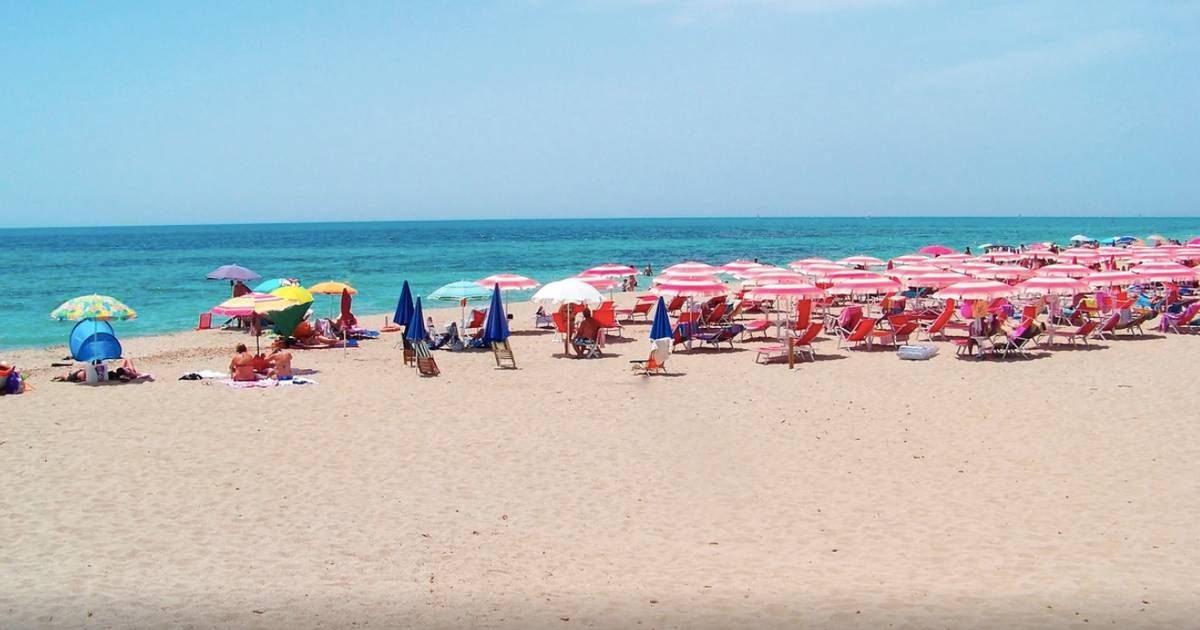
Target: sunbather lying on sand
[(127, 372)]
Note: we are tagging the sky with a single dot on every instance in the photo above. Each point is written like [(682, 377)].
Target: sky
[(167, 112)]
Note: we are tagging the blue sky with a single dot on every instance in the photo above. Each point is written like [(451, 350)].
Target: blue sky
[(163, 112)]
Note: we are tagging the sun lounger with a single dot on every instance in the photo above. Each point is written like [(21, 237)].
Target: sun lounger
[(753, 327), (937, 327), (607, 318), (1176, 322), (717, 337), (640, 309), (1077, 333), (504, 354), (1134, 325), (205, 322), (1108, 326), (860, 335), (426, 366)]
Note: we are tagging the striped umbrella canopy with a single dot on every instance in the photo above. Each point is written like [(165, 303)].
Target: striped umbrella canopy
[(1113, 279), (812, 260), (773, 275), (1195, 242), (691, 288), (1062, 270), (1052, 285), (610, 270), (850, 273), (692, 266), (820, 270), (1004, 272), (864, 261), (935, 250), (950, 260), (1000, 256), (1157, 253), (911, 270), (1187, 253), (910, 259), (736, 266), (460, 290), (790, 290), (749, 272), (1165, 272), (251, 304), (681, 275), (864, 286), (937, 279), (974, 265), (601, 283), (93, 306), (975, 290), (509, 282), (1111, 251)]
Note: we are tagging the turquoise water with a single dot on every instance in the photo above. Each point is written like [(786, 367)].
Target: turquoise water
[(160, 270)]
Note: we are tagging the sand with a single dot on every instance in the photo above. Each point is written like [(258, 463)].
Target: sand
[(855, 491)]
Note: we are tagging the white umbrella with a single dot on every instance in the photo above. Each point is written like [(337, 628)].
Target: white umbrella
[(569, 291)]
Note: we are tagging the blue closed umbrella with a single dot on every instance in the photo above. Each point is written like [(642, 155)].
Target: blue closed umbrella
[(416, 325), (404, 308), (495, 327), (661, 328)]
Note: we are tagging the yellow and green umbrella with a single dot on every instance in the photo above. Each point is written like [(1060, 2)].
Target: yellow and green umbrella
[(100, 307), (300, 295)]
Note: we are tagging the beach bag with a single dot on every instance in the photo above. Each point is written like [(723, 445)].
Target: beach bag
[(13, 383), (920, 352)]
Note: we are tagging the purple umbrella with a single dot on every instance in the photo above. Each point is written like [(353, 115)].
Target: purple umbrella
[(232, 272)]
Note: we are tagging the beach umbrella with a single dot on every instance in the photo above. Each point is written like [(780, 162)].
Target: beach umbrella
[(461, 290), (948, 260), (294, 293), (609, 270), (266, 286), (1079, 238), (495, 327), (1000, 256), (1113, 279), (691, 267), (285, 321), (330, 287), (820, 270), (861, 261), (93, 306), (774, 275), (509, 282), (850, 273), (232, 273), (935, 250), (864, 286), (404, 306), (975, 290), (568, 291), (749, 272), (911, 270), (691, 288), (1187, 253), (416, 331), (909, 259), (1004, 272), (1052, 285), (1165, 272), (1195, 242), (601, 283), (251, 304), (1062, 270), (738, 266), (661, 328), (936, 280), (800, 290)]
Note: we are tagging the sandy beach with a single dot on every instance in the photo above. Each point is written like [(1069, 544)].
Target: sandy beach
[(855, 491)]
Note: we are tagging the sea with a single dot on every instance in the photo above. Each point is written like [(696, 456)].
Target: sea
[(160, 270)]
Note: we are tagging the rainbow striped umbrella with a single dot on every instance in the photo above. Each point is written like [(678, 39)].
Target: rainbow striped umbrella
[(251, 304), (93, 306)]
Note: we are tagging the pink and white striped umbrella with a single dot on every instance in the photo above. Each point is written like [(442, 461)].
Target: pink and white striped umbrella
[(813, 260), (509, 282), (1187, 253), (975, 290), (935, 250), (738, 266), (1151, 253), (1052, 285), (1000, 257), (1004, 272), (863, 261), (820, 270), (1113, 279), (1165, 272), (691, 288), (850, 273), (789, 290), (910, 259), (1062, 270), (950, 260), (600, 283), (775, 275), (864, 286), (692, 267), (610, 270), (909, 271), (679, 275), (937, 279)]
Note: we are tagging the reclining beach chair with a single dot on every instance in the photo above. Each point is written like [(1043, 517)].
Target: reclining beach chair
[(717, 337), (801, 345), (205, 322), (607, 318), (426, 366), (642, 308), (1080, 333), (861, 334), (1176, 322), (656, 363), (899, 328), (477, 320), (1134, 325), (1016, 342), (676, 303), (504, 354), (938, 326), (542, 319), (846, 322), (1108, 327)]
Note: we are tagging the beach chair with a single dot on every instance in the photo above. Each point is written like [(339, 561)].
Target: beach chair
[(676, 303), (560, 323), (899, 328), (685, 328), (715, 315), (859, 335), (1017, 342), (542, 319), (751, 328), (656, 363), (641, 308), (1077, 333), (1134, 325), (846, 321), (803, 315), (504, 354), (205, 322), (1108, 327), (803, 343), (477, 320), (1176, 322), (426, 366), (607, 318), (938, 326), (717, 337)]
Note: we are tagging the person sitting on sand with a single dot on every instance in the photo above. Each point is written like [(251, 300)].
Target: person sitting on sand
[(281, 361), (585, 340), (241, 367)]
